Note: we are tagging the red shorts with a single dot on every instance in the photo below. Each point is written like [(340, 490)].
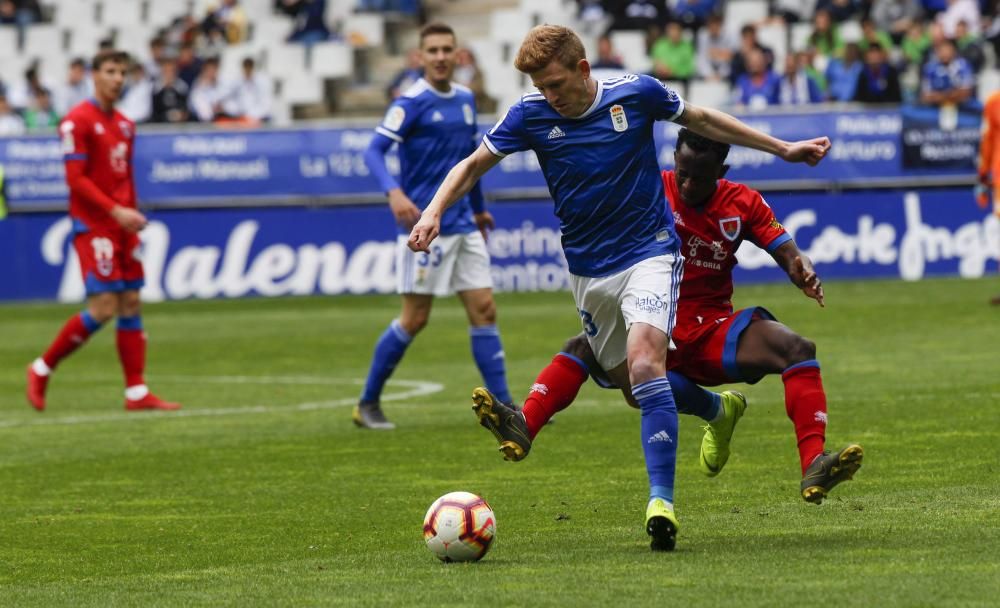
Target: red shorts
[(706, 352), (109, 260)]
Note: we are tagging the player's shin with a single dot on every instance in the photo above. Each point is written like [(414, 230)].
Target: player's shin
[(487, 350), (131, 342), (554, 389), (72, 336), (389, 350), (805, 404), (659, 435)]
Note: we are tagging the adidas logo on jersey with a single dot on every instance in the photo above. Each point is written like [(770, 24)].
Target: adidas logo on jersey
[(436, 116), (556, 133), (661, 436)]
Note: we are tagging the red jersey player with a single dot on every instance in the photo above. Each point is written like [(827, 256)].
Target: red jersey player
[(97, 143), (714, 344)]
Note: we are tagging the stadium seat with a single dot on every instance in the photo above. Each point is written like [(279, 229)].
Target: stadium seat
[(505, 84), (299, 87), (709, 93), (8, 42), (161, 14), (231, 60), (631, 45), (775, 36), (331, 60), (510, 26), (285, 59), (741, 12), (556, 12), (850, 31), (133, 40), (83, 41), (489, 54), (45, 42), (121, 13), (78, 14), (273, 30), (799, 35), (366, 29)]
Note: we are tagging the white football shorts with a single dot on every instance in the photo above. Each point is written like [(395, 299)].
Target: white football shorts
[(457, 262), (608, 306)]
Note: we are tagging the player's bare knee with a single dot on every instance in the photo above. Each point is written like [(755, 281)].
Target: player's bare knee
[(579, 347), (412, 324), (801, 349), (485, 312), (102, 307), (645, 368), (129, 305)]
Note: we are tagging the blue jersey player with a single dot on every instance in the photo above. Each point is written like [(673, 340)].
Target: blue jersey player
[(594, 142), (434, 123)]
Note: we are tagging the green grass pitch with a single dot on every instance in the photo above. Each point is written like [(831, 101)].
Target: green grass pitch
[(262, 492)]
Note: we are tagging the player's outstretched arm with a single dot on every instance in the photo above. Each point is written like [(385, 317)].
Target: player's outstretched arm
[(800, 270), (722, 127), (457, 184)]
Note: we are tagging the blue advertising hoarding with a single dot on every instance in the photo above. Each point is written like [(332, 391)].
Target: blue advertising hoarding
[(349, 250), (325, 163)]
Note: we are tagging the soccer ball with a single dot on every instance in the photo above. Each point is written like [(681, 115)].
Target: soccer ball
[(459, 527)]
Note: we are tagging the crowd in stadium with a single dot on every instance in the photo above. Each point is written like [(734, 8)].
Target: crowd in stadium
[(870, 51)]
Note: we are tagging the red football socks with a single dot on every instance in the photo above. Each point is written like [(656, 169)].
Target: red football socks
[(554, 389), (805, 404), (132, 353), (71, 337)]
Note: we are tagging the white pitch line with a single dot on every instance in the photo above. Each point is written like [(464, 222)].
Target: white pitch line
[(416, 389)]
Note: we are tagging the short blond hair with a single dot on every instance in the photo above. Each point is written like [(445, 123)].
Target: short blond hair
[(547, 43)]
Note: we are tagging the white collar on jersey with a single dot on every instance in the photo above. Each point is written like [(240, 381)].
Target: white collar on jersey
[(428, 86), (597, 101)]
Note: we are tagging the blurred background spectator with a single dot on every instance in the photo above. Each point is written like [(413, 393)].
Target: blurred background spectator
[(137, 101), (948, 78), (758, 87), (250, 101), (748, 44), (840, 10), (715, 50), (188, 63), (896, 16), (467, 73), (170, 95), (957, 11), (40, 115), (842, 73), (639, 15), (310, 24), (78, 86), (797, 87), (207, 94), (607, 58), (11, 122), (692, 13), (672, 54), (878, 81), (825, 38), (229, 20), (404, 79)]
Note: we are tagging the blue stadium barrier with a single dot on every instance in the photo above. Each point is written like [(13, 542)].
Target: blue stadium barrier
[(211, 253)]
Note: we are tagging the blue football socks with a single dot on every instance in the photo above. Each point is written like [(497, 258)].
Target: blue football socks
[(693, 400), (388, 351), (488, 353), (659, 435)]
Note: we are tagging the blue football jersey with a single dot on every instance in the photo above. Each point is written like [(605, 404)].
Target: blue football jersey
[(601, 169), (434, 131)]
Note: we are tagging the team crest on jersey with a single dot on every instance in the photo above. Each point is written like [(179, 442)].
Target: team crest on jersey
[(730, 227), (470, 117), (394, 118), (618, 119), (776, 224), (99, 129), (125, 129)]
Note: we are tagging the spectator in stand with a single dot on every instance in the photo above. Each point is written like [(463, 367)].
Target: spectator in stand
[(970, 47), (673, 55), (895, 17), (947, 78), (840, 10), (607, 58), (251, 97), (842, 73), (22, 96), (212, 43), (692, 13), (870, 34), (11, 122), (916, 44), (310, 23), (759, 87), (8, 14), (792, 11), (958, 11), (40, 115), (715, 50), (229, 19), (77, 87), (807, 61), (933, 7), (797, 88), (21, 13), (413, 72), (878, 81), (467, 73), (748, 44), (207, 94), (825, 38), (137, 101), (639, 14), (170, 97), (157, 53), (188, 63), (991, 29)]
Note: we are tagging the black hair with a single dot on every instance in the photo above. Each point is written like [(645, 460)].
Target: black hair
[(702, 145)]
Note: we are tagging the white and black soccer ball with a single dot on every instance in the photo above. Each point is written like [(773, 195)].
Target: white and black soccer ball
[(459, 527)]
